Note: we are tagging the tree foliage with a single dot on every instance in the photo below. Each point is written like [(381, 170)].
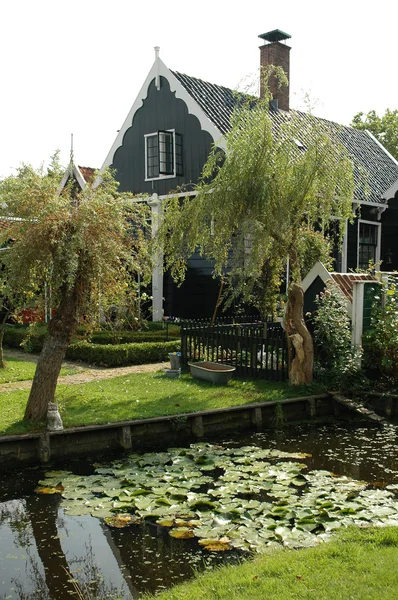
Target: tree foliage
[(384, 128), (279, 184), (336, 359), (81, 248), (381, 340)]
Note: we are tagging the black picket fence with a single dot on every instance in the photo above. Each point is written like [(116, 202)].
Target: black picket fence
[(256, 350)]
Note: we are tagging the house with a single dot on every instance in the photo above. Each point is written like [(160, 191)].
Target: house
[(167, 136)]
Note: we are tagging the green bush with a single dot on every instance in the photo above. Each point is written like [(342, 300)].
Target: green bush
[(104, 353), (336, 361), (381, 340), (133, 337), (20, 337), (120, 355)]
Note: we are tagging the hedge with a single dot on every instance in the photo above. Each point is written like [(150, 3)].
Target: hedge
[(111, 355), (133, 337), (14, 337), (120, 355)]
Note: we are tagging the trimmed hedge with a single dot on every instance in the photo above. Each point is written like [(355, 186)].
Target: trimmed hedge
[(15, 335), (134, 337), (121, 355), (110, 355)]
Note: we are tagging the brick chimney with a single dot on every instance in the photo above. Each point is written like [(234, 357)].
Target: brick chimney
[(275, 53)]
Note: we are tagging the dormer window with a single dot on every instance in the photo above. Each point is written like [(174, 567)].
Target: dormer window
[(163, 154)]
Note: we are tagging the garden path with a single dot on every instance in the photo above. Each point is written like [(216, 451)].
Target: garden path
[(85, 372)]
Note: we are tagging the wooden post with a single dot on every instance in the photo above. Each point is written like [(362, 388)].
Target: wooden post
[(197, 427), (44, 447), (125, 437)]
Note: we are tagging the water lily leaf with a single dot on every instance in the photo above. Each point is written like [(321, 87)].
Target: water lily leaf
[(58, 489), (58, 474), (331, 525), (299, 481), (307, 526), (165, 522), (123, 520), (215, 545), (182, 533)]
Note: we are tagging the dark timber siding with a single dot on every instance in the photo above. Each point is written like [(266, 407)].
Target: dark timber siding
[(161, 110), (389, 243)]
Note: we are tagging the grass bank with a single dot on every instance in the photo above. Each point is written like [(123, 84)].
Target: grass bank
[(18, 369), (140, 396), (357, 565)]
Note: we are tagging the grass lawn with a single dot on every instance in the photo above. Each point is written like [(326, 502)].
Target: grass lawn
[(357, 565), (141, 396), (18, 369)]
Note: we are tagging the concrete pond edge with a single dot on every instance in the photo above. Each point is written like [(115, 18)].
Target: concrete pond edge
[(140, 434)]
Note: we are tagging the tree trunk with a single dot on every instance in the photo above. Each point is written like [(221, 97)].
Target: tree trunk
[(299, 338), (60, 330)]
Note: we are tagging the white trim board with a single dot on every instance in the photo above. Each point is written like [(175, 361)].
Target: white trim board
[(160, 69)]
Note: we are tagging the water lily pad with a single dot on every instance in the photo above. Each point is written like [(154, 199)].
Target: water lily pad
[(216, 545), (58, 489), (123, 520), (182, 533)]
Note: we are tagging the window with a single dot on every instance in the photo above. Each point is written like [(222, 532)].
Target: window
[(163, 155), (368, 243)]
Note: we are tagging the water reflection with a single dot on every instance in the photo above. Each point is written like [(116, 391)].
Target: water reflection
[(49, 555)]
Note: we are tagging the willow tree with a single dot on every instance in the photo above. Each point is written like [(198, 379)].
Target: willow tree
[(265, 202), (82, 248)]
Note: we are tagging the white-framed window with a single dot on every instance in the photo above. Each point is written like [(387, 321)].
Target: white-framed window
[(163, 155), (369, 235)]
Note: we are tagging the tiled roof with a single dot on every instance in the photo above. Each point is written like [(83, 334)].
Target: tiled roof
[(346, 281), (87, 172), (368, 156)]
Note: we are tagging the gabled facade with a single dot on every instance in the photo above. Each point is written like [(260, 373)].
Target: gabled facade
[(167, 136)]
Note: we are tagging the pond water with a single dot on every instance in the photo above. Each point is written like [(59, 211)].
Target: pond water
[(42, 546)]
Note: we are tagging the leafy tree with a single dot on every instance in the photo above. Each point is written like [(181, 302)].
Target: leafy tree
[(84, 247), (261, 204), (384, 128)]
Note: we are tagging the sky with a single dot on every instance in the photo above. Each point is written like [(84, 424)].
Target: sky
[(76, 66)]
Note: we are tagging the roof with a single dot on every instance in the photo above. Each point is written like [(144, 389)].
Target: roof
[(367, 154), (346, 281), (88, 173)]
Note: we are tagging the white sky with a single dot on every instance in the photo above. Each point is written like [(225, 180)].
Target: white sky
[(77, 66)]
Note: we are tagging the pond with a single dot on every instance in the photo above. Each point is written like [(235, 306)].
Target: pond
[(47, 540)]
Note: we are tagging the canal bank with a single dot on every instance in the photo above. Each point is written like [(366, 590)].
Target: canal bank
[(180, 428)]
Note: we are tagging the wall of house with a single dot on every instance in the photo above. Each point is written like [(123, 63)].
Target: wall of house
[(389, 240), (161, 110)]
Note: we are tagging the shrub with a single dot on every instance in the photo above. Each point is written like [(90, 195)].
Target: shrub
[(335, 359), (31, 339), (381, 339), (130, 337), (25, 338), (119, 355)]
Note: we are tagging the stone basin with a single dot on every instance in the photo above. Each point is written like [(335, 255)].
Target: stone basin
[(210, 371)]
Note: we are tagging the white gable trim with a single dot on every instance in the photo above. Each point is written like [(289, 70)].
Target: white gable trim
[(318, 270), (390, 193), (160, 69), (71, 171)]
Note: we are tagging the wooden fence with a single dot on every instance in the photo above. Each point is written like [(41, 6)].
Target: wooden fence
[(257, 350)]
